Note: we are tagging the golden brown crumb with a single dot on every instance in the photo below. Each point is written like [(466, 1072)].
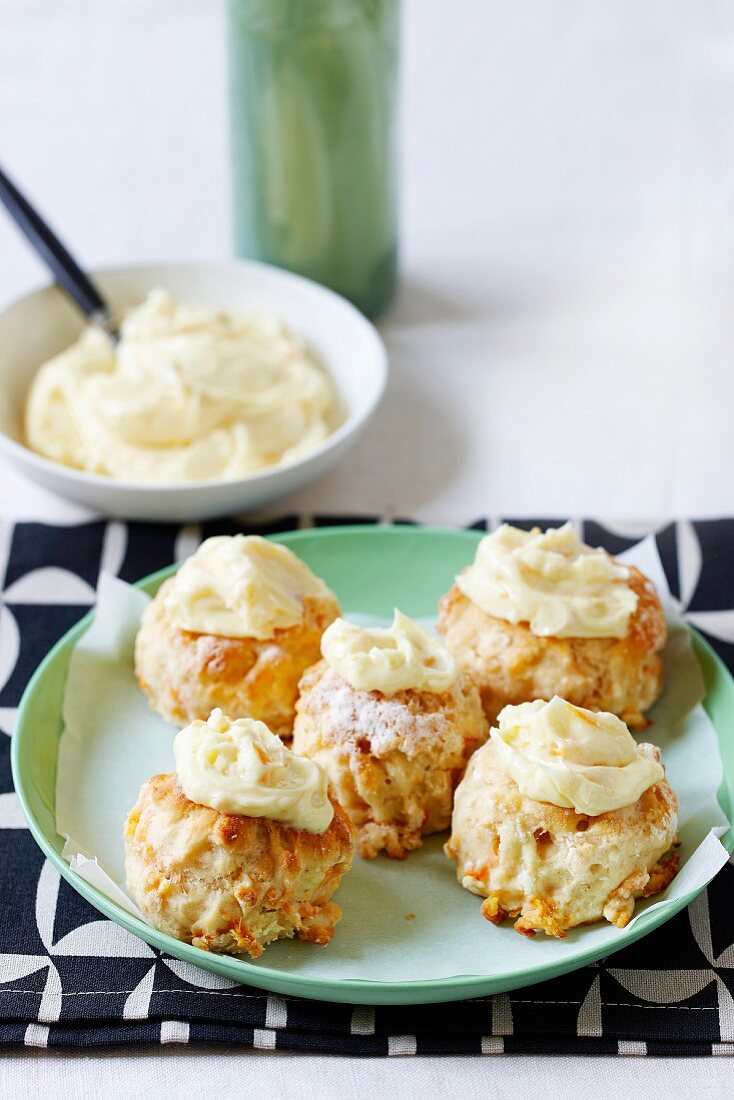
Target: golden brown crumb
[(185, 675), (228, 883), (550, 869), (512, 665), (394, 761)]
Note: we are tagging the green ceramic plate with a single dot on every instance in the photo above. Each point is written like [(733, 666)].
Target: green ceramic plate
[(372, 569)]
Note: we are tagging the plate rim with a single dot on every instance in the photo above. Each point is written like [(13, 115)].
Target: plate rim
[(337, 990)]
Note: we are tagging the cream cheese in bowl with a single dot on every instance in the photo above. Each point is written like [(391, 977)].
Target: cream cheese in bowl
[(190, 393), (324, 332)]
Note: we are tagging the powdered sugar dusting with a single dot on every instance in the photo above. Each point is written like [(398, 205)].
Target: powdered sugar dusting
[(388, 724)]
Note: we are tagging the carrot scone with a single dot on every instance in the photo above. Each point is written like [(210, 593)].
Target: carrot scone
[(393, 722), (243, 845), (235, 628), (539, 614), (562, 819)]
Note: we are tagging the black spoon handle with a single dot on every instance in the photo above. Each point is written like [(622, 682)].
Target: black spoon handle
[(64, 267)]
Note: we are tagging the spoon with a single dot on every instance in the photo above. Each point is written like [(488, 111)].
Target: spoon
[(66, 271)]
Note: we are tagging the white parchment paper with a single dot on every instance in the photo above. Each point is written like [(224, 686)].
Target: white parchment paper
[(113, 742)]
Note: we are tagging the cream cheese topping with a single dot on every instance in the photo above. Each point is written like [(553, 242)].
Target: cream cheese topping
[(241, 586), (242, 768), (190, 392), (552, 581), (574, 758), (402, 657)]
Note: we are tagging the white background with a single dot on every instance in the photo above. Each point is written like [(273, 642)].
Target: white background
[(562, 342), (563, 339)]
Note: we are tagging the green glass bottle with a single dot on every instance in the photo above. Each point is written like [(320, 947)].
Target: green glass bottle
[(313, 86)]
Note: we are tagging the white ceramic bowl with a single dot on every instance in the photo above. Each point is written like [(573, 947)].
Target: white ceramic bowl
[(45, 322)]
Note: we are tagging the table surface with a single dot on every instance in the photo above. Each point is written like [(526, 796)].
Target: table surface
[(561, 343)]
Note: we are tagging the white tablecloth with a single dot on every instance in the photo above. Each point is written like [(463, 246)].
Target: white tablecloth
[(562, 342)]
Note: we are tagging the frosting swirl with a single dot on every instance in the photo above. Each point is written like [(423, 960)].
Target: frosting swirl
[(242, 768), (241, 586), (189, 393), (574, 758), (402, 657), (552, 581)]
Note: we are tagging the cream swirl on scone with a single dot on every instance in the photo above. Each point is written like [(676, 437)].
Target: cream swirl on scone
[(573, 758), (242, 768), (402, 657), (552, 581), (241, 587)]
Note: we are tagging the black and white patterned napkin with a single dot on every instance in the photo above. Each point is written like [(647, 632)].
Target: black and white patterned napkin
[(69, 978)]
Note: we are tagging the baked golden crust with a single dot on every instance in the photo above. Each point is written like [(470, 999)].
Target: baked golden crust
[(394, 761), (186, 675), (231, 884), (510, 664), (549, 868)]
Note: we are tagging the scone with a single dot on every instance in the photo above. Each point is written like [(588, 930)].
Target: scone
[(563, 820), (230, 881), (235, 628), (540, 614), (393, 723)]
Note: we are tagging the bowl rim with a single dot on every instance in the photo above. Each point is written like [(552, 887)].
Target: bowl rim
[(352, 424)]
